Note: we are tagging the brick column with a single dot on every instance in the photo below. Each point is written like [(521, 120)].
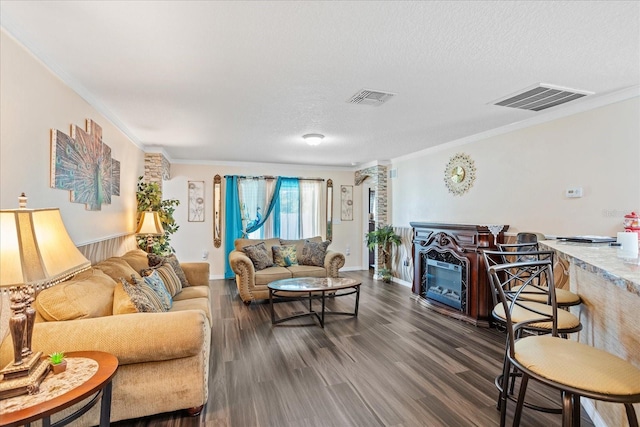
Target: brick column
[(156, 168)]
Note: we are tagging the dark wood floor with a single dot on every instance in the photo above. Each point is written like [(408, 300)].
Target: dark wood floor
[(396, 364)]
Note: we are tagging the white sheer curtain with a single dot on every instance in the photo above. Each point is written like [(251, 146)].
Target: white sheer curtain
[(255, 195), (310, 208)]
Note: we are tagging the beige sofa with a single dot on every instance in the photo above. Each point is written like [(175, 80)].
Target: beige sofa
[(163, 357), (252, 284)]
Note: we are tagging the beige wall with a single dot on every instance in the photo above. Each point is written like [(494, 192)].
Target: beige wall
[(194, 238), (32, 102), (521, 176)]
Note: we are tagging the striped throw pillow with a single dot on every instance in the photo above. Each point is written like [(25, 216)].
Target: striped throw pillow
[(169, 277)]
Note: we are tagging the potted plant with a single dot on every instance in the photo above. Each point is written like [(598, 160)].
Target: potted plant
[(384, 238), (58, 362), (149, 197)]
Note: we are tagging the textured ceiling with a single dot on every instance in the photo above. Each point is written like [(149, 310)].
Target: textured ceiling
[(243, 81)]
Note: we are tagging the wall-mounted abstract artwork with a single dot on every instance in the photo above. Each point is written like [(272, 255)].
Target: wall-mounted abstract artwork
[(82, 164), (196, 201)]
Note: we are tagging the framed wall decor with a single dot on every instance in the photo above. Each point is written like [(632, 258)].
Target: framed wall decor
[(196, 201), (346, 202), (329, 210), (217, 211)]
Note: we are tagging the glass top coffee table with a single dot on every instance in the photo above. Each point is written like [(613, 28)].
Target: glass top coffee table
[(313, 288)]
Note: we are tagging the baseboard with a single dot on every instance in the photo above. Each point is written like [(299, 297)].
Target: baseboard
[(353, 269), (402, 282), (590, 409)]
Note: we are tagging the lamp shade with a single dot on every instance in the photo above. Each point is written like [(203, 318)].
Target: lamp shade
[(149, 224), (35, 249)]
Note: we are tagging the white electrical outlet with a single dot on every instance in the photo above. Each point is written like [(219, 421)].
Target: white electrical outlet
[(205, 254), (573, 192), (347, 252)]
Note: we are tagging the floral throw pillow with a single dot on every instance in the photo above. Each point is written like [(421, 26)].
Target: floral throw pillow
[(313, 253), (285, 256), (258, 255)]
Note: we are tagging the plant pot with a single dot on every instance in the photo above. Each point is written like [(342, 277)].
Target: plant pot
[(59, 368)]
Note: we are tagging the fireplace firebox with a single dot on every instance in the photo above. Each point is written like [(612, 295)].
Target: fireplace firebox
[(445, 280), (450, 276)]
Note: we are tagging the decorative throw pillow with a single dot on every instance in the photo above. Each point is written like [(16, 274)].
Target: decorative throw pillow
[(154, 281), (139, 298), (88, 294), (157, 260), (258, 255), (169, 277), (313, 253), (285, 256)]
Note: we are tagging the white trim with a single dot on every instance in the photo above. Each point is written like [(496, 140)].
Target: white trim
[(402, 282), (584, 104), (354, 269), (254, 164), (102, 239)]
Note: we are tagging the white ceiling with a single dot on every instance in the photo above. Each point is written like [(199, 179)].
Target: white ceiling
[(243, 81)]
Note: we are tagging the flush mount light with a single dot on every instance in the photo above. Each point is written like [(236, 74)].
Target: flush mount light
[(313, 138)]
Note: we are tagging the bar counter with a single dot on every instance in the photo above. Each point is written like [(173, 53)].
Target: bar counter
[(610, 311)]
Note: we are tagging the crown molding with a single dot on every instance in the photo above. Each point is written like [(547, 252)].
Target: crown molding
[(282, 166), (11, 29)]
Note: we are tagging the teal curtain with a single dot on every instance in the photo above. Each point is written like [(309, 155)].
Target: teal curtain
[(233, 221)]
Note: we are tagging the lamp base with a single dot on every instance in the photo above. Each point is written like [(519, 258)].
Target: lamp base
[(24, 381), (12, 371)]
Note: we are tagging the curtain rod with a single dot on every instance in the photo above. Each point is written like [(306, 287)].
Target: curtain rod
[(274, 177)]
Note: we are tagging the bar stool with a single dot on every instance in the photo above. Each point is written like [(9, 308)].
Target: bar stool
[(512, 254), (529, 286), (573, 368)]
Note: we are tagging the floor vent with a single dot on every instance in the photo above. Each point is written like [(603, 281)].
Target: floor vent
[(370, 97), (540, 97)]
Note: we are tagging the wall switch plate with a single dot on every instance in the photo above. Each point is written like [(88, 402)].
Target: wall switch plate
[(573, 192)]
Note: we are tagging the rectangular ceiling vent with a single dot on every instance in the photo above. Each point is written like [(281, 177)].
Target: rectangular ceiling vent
[(371, 97), (540, 96)]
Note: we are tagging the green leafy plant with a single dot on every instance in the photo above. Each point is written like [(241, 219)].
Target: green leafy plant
[(56, 358), (384, 238), (149, 197)]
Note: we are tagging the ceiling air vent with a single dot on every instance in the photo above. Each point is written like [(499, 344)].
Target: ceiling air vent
[(540, 97), (370, 97)]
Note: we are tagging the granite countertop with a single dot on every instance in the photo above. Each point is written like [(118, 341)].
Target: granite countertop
[(601, 259)]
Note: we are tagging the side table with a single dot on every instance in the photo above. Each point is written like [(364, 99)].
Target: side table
[(39, 406)]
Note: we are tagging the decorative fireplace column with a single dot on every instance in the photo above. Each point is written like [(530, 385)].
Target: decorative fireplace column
[(156, 168), (450, 276)]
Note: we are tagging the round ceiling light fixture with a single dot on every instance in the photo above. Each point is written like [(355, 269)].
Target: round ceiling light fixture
[(313, 138)]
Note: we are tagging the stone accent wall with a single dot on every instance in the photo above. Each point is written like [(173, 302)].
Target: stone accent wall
[(156, 168), (378, 180)]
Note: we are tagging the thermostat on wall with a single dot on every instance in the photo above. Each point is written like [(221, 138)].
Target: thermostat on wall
[(573, 192)]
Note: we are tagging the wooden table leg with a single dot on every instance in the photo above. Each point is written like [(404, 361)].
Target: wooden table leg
[(357, 300)]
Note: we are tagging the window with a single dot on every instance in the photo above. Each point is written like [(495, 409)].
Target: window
[(296, 214)]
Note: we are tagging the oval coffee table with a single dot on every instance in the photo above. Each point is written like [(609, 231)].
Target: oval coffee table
[(313, 288)]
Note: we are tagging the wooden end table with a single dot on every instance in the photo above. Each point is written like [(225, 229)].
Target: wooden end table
[(39, 406), (314, 288)]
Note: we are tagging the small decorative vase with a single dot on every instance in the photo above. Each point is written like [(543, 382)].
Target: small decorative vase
[(59, 368)]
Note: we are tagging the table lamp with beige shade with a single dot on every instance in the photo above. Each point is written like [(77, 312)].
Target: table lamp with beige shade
[(36, 252), (150, 225)]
